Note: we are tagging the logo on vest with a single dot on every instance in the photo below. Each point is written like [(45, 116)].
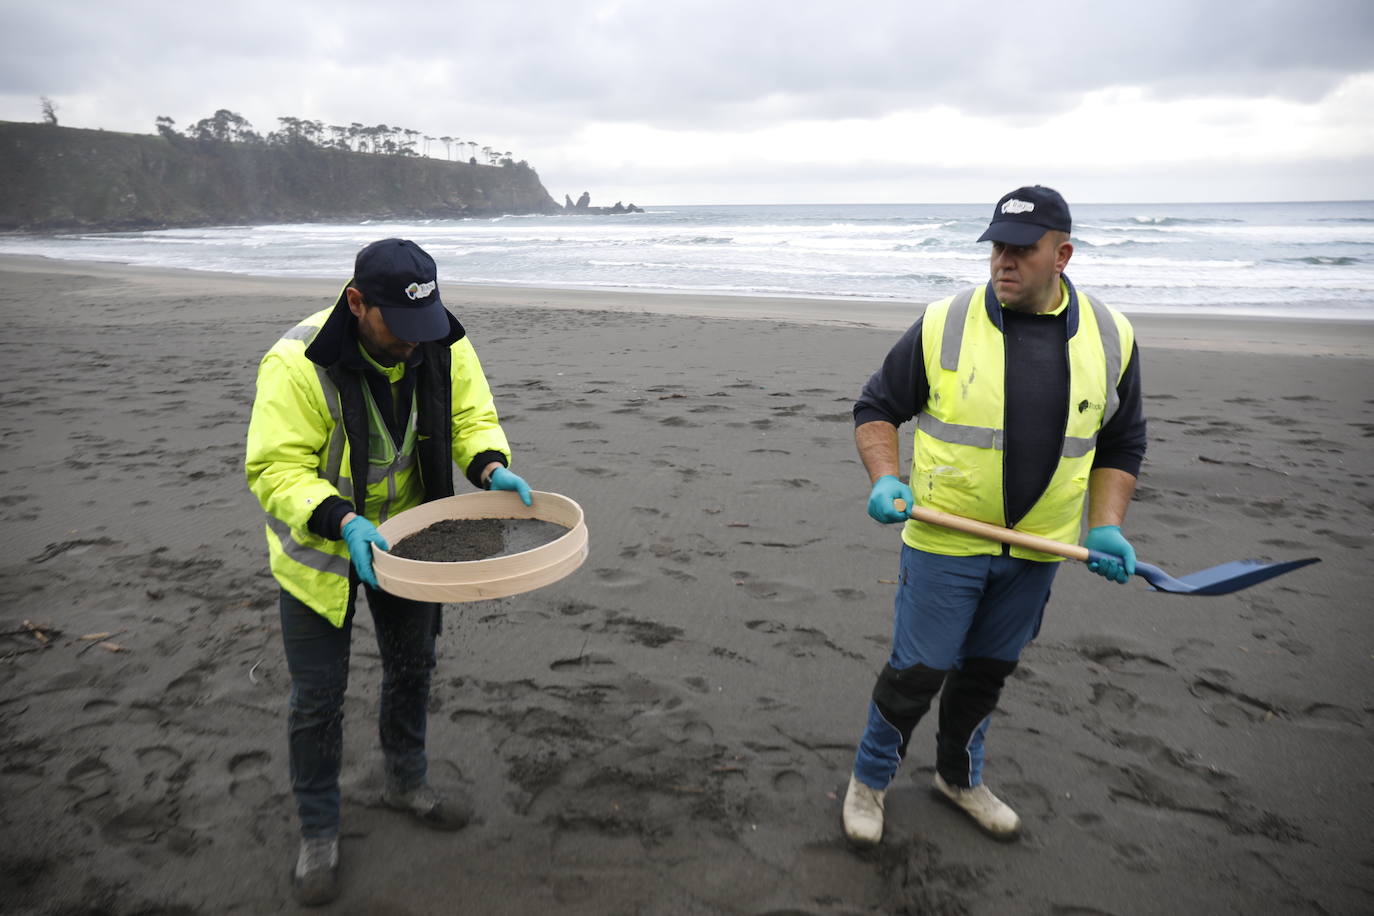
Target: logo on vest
[(1015, 206), (421, 290), (1084, 404)]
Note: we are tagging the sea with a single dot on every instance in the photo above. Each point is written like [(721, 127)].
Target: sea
[(1313, 260)]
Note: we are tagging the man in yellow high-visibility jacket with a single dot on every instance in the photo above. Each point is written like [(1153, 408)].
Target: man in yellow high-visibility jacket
[(1026, 395), (361, 412)]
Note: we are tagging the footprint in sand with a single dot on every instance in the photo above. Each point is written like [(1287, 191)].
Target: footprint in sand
[(1113, 697), (1115, 658), (1192, 650), (188, 688), (574, 608), (698, 684), (157, 759), (585, 660), (249, 783), (770, 591), (1283, 543), (138, 824), (698, 731), (1031, 800), (1344, 539), (90, 778), (789, 782), (645, 632), (618, 578), (1135, 858), (806, 642), (1338, 715), (775, 756), (1226, 707)]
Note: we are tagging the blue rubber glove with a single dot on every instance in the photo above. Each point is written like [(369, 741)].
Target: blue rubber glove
[(1117, 560), (502, 479), (886, 489), (361, 535)]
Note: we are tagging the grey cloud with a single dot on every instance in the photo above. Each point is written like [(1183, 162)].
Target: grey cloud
[(704, 63), (700, 62)]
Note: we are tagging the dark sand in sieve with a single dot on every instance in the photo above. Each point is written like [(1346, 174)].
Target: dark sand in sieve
[(461, 539)]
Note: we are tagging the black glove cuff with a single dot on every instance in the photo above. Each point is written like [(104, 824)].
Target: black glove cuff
[(327, 520), (479, 464)]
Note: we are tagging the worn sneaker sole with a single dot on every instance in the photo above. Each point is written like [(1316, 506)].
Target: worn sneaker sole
[(322, 890)]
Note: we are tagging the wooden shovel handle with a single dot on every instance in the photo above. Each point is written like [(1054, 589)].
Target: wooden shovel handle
[(993, 532)]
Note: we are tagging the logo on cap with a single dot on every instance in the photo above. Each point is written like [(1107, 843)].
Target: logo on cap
[(421, 290), (1017, 206)]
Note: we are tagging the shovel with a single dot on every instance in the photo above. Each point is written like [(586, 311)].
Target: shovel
[(1218, 580)]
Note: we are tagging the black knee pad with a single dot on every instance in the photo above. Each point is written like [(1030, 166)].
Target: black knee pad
[(907, 691), (903, 696), (970, 696), (984, 674)]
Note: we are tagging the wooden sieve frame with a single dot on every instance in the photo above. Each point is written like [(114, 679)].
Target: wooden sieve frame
[(494, 577)]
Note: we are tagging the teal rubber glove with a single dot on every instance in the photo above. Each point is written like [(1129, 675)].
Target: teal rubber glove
[(1112, 556), (885, 490), (503, 479), (361, 536)]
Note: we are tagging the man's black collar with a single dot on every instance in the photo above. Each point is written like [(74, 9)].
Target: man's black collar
[(994, 308)]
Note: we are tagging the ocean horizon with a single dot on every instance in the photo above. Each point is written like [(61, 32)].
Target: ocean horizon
[(1293, 259)]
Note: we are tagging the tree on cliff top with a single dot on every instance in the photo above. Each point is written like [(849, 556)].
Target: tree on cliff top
[(49, 110), (225, 126)]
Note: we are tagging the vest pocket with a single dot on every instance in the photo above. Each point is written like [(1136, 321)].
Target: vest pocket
[(945, 487)]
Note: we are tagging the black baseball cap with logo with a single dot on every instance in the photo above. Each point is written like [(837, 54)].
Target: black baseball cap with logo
[(1022, 216), (400, 278)]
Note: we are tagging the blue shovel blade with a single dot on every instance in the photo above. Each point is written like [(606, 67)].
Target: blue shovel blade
[(1219, 580)]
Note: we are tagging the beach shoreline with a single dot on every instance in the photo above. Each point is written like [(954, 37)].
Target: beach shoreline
[(670, 729), (1257, 334)]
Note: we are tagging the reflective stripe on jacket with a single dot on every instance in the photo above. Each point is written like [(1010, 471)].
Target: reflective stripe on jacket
[(958, 455), (308, 440)]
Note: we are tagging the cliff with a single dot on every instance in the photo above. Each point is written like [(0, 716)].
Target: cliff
[(65, 178)]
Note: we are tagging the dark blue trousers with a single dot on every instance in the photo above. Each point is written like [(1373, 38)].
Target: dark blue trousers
[(317, 656), (959, 625)]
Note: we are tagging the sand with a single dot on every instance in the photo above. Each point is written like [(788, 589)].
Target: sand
[(670, 729)]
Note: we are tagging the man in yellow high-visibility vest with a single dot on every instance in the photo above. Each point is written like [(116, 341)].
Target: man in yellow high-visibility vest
[(1026, 396), (362, 411)]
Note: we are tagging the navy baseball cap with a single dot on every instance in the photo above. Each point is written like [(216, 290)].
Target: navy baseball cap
[(400, 278), (1022, 216)]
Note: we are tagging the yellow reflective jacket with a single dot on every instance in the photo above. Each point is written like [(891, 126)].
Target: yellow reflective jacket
[(957, 459), (308, 440)]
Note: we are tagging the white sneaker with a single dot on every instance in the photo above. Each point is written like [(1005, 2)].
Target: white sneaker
[(315, 880), (863, 813), (987, 810)]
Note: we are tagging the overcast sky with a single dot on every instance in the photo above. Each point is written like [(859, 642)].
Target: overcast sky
[(777, 101)]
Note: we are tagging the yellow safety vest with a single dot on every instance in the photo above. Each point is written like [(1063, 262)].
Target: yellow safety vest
[(957, 462), (298, 455)]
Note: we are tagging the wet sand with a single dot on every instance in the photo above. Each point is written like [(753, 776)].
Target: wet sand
[(670, 729)]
